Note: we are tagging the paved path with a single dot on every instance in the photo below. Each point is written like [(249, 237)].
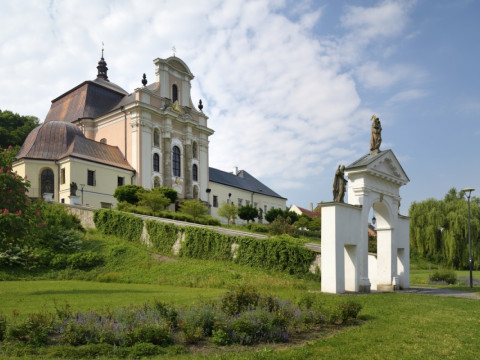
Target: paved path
[(441, 292)]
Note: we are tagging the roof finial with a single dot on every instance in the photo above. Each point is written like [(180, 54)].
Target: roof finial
[(174, 50), (144, 80), (102, 67), (200, 105)]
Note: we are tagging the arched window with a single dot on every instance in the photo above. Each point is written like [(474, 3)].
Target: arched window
[(46, 181), (176, 161), (156, 138), (194, 172), (194, 150), (156, 182), (156, 162), (174, 93)]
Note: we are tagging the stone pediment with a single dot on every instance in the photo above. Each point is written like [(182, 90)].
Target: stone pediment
[(383, 164)]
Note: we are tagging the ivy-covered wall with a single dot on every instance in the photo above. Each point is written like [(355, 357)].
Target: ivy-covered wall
[(277, 253)]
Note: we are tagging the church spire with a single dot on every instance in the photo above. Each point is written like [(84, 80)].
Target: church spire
[(102, 68)]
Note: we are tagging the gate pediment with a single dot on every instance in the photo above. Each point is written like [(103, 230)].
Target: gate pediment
[(384, 165)]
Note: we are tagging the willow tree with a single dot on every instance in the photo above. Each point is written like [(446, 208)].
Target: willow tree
[(439, 230)]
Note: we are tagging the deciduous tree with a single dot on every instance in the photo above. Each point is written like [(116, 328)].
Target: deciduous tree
[(228, 211), (194, 208), (247, 213), (14, 128)]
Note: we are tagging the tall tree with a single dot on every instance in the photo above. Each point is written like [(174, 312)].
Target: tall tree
[(14, 128), (228, 211), (247, 212), (439, 230), (193, 207)]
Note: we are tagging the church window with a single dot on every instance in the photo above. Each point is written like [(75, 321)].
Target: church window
[(215, 201), (46, 181), (156, 162), (62, 176), (120, 180), (195, 172), (156, 138), (176, 161), (174, 93), (91, 177)]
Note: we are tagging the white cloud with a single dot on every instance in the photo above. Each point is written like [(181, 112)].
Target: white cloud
[(282, 100), (372, 75), (407, 95)]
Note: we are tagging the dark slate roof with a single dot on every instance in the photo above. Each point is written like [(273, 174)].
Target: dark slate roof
[(243, 181), (56, 140), (367, 159), (90, 99)]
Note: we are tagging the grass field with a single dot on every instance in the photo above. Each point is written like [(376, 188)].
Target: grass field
[(392, 326)]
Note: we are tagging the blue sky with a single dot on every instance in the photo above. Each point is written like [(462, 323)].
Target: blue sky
[(289, 86)]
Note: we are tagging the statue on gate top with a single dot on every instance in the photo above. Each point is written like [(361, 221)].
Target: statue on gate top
[(339, 185), (376, 137)]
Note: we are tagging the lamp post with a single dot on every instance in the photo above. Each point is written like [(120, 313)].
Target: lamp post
[(208, 200), (82, 185), (468, 192)]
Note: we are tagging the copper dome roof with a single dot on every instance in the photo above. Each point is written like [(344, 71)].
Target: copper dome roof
[(49, 141), (55, 140)]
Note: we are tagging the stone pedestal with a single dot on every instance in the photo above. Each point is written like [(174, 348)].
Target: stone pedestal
[(74, 200)]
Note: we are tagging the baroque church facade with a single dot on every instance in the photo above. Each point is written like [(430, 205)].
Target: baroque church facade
[(98, 136)]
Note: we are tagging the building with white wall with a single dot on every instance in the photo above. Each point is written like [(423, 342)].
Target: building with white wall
[(241, 188), (99, 136)]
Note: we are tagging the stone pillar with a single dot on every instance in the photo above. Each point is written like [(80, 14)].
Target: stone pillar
[(188, 184), (167, 159)]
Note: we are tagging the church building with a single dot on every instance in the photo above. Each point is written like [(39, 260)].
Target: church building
[(98, 136)]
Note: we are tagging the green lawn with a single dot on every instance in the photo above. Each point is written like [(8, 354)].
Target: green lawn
[(392, 326)]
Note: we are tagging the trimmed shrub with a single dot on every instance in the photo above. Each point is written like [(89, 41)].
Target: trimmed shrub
[(84, 260), (449, 276), (345, 311), (239, 300), (35, 329), (258, 228)]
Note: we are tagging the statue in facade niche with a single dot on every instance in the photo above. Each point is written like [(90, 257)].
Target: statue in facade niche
[(73, 189), (376, 137), (339, 184)]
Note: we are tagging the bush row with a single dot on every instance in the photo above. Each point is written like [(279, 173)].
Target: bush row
[(204, 219), (242, 316), (278, 253)]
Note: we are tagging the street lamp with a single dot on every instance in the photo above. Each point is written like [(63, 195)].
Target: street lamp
[(468, 192), (82, 185)]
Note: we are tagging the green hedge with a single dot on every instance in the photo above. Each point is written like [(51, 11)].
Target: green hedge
[(278, 253), (162, 235), (125, 226), (206, 244), (274, 253)]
